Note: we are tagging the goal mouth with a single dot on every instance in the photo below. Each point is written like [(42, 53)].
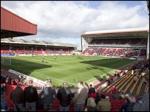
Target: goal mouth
[(7, 61), (8, 55)]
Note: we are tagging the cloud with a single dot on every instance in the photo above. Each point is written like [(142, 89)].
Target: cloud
[(64, 21)]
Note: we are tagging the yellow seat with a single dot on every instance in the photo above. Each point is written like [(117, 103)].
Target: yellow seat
[(140, 87), (135, 86), (113, 84)]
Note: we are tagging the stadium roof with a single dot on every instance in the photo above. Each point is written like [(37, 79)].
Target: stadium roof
[(131, 32), (13, 25), (35, 42)]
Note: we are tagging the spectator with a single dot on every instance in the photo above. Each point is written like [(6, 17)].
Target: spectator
[(31, 97), (122, 73), (91, 90), (17, 96), (142, 104), (105, 84), (104, 104), (80, 97), (85, 85), (8, 91), (98, 98), (126, 71), (135, 78), (129, 103), (115, 78), (13, 82), (3, 79), (64, 97), (117, 102), (48, 95), (80, 84), (91, 104), (3, 99), (8, 80), (109, 81)]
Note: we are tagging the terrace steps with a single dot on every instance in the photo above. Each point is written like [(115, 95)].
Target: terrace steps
[(113, 84), (125, 83), (134, 87), (129, 83), (119, 84), (139, 88)]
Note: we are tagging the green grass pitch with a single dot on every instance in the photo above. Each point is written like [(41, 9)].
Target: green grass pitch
[(66, 68)]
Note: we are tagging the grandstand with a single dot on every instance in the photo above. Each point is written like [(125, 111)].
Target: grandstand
[(119, 43), (21, 47)]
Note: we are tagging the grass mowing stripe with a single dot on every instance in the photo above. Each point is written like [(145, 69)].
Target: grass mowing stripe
[(67, 68)]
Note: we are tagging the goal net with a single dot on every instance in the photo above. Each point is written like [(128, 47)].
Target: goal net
[(6, 59)]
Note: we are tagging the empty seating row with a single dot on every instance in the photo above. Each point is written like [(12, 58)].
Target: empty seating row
[(135, 84)]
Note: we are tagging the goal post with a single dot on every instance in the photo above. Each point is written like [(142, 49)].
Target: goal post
[(6, 59)]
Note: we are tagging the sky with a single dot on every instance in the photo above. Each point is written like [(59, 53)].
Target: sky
[(65, 21)]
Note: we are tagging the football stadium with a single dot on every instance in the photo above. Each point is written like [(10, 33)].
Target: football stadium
[(109, 73)]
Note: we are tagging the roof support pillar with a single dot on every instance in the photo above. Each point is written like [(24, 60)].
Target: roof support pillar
[(148, 46), (81, 45)]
